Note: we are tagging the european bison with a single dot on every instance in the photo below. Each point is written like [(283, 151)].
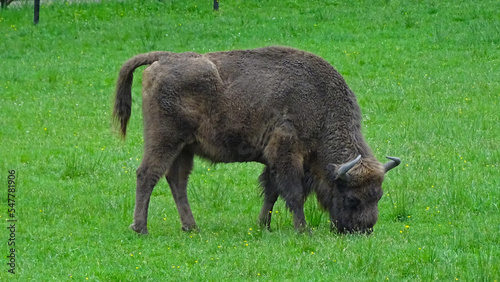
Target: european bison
[(285, 108)]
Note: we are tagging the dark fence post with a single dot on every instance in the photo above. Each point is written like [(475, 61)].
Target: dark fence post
[(37, 11), (216, 5), (5, 3)]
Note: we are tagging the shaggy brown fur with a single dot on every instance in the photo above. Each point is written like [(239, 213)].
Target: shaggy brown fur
[(285, 108)]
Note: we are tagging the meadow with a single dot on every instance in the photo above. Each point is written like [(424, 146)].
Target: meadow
[(427, 77)]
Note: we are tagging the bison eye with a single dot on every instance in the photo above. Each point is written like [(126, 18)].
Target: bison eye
[(352, 202)]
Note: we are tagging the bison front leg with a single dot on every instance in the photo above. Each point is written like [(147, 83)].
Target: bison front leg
[(270, 196), (177, 179), (294, 199), (286, 172)]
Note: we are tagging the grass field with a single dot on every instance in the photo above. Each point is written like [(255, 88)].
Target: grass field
[(427, 77)]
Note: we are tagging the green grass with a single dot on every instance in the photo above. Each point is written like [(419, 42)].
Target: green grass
[(426, 77)]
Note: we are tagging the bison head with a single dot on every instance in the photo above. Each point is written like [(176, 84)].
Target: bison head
[(357, 188)]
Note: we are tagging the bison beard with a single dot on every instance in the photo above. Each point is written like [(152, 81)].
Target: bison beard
[(287, 109)]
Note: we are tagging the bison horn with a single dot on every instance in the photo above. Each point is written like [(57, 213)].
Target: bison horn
[(394, 162), (342, 171)]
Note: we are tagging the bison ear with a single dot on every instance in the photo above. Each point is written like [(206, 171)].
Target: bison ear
[(341, 172)]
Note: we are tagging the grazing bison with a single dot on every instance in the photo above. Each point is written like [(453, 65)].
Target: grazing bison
[(287, 109)]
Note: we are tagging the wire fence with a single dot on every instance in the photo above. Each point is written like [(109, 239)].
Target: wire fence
[(36, 4)]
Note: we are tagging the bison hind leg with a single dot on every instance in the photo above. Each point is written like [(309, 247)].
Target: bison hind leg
[(156, 162), (177, 179), (147, 178)]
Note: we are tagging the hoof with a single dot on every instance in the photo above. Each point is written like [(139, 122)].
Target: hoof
[(143, 230), (264, 224), (304, 230), (190, 228)]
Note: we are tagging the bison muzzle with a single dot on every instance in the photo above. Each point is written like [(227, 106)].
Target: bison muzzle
[(285, 108)]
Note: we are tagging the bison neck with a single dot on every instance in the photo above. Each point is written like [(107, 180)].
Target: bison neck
[(343, 142)]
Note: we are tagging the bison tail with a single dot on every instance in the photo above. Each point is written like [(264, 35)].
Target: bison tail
[(123, 100)]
